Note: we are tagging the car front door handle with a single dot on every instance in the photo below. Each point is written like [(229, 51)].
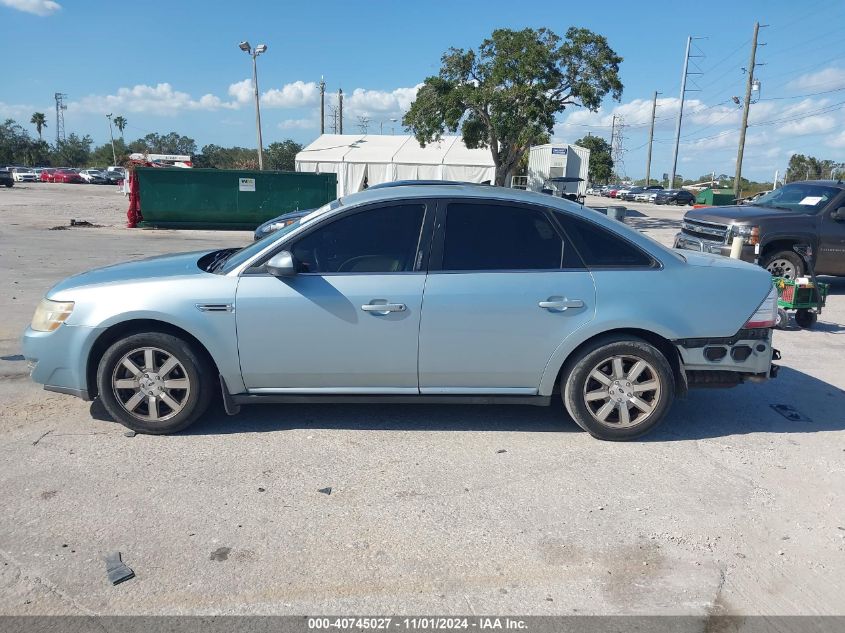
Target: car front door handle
[(378, 306), (560, 304)]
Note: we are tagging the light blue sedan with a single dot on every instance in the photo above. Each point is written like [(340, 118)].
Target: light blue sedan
[(417, 293)]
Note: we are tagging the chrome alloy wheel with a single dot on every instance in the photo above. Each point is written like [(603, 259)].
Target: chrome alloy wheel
[(151, 384), (622, 391), (782, 268)]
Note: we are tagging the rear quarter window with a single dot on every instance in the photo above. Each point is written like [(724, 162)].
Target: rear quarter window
[(600, 248)]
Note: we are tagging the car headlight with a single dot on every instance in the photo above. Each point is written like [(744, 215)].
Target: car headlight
[(751, 234), (49, 315)]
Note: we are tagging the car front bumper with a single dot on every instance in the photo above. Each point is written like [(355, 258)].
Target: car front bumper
[(690, 243), (58, 359)]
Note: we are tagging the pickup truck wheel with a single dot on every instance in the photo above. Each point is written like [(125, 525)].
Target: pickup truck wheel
[(154, 383), (619, 389), (806, 319), (786, 264)]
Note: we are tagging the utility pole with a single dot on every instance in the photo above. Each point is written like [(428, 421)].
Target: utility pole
[(650, 140), (111, 134), (744, 126), (680, 116), (322, 105), (340, 108), (612, 139)]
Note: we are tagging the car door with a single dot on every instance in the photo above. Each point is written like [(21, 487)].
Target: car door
[(831, 256), (504, 289), (348, 321)]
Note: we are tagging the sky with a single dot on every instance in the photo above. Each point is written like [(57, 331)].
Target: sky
[(175, 66)]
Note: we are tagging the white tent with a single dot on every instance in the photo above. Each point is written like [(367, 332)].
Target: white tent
[(386, 158)]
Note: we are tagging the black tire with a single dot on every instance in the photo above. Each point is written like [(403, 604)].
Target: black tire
[(191, 367), (691, 202), (785, 263), (782, 320), (806, 318), (9, 184), (578, 379)]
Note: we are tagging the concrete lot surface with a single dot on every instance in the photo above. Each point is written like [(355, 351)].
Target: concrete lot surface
[(729, 508)]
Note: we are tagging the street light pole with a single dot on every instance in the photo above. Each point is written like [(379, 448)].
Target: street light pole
[(255, 52), (111, 134)]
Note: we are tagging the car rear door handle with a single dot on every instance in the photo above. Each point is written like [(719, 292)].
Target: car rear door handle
[(379, 306), (559, 304)]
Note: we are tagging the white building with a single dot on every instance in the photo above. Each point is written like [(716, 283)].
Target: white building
[(552, 161), (377, 158)]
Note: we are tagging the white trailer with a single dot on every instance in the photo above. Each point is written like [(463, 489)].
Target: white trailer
[(549, 163)]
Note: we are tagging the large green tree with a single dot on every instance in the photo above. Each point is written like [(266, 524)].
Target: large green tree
[(601, 162), (803, 167), (74, 151), (172, 143), (281, 155), (505, 95)]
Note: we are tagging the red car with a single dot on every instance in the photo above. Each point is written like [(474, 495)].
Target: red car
[(47, 175), (66, 176)]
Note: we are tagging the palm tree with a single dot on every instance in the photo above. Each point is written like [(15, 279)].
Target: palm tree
[(120, 123), (39, 121)]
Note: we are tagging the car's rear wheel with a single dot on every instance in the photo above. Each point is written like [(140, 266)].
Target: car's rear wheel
[(786, 264), (619, 389), (154, 383)]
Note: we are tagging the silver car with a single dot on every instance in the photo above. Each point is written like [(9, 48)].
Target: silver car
[(433, 293)]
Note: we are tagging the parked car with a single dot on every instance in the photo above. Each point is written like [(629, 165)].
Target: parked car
[(66, 176), (6, 178), (809, 212), (23, 174), (47, 174), (280, 222), (631, 193), (643, 196), (674, 196), (115, 177), (412, 294), (93, 177)]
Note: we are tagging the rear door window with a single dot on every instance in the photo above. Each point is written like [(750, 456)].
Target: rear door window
[(487, 236)]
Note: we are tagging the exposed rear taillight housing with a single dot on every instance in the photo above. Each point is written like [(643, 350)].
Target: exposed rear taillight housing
[(766, 313)]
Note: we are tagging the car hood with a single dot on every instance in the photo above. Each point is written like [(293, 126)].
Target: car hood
[(737, 214), (178, 265)]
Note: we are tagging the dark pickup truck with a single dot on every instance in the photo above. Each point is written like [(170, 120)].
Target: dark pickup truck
[(810, 212)]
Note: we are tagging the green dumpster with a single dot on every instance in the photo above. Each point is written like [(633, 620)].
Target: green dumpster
[(231, 199), (715, 197)]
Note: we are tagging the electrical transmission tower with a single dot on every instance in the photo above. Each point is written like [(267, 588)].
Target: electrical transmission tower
[(617, 146), (60, 116), (363, 123)]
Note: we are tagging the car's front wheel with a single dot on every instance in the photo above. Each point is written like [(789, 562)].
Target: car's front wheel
[(786, 264), (619, 389), (154, 383)]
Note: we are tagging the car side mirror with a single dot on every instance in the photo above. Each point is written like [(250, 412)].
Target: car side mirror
[(838, 215), (281, 265)]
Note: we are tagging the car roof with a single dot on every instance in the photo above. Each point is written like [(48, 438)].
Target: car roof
[(826, 183)]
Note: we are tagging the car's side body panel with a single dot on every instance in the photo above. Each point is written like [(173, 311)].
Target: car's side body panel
[(310, 333), (485, 331)]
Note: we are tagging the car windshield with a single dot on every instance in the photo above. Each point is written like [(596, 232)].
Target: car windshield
[(801, 197), (239, 257)]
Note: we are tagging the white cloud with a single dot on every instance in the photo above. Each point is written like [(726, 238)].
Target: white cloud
[(241, 91), (826, 79), (393, 103), (160, 99), (836, 141), (298, 124), (292, 95), (18, 111), (36, 7)]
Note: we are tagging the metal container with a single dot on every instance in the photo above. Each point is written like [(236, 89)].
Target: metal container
[(230, 199)]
